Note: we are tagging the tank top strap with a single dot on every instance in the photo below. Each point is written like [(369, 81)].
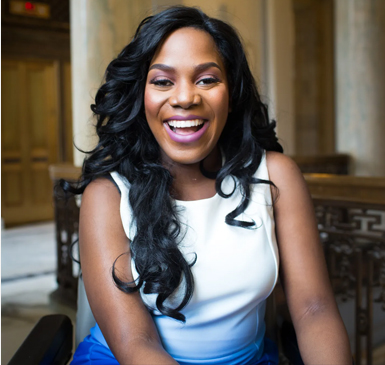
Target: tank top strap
[(262, 172), (125, 208)]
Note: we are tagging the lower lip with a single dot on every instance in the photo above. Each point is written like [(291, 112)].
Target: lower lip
[(186, 138)]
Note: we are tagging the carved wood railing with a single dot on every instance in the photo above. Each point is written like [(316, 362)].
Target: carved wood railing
[(351, 219), (353, 235), (67, 229)]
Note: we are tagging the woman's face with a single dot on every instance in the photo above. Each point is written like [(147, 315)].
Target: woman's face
[(186, 97)]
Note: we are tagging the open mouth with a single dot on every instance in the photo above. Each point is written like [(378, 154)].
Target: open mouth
[(186, 131), (185, 127)]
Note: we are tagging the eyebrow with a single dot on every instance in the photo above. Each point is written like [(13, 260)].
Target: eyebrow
[(198, 68)]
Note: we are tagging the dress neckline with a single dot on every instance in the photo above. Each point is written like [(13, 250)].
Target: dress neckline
[(197, 201)]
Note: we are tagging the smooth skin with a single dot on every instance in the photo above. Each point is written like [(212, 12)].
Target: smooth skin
[(125, 322), (321, 334), (187, 76)]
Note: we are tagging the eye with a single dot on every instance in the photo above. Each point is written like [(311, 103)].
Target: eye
[(161, 82), (208, 81)]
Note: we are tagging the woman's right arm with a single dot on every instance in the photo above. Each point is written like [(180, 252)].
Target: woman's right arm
[(124, 320)]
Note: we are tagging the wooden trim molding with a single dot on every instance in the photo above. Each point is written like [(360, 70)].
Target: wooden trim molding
[(347, 188)]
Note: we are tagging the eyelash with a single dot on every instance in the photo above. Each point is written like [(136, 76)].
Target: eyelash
[(167, 82), (209, 80), (161, 82)]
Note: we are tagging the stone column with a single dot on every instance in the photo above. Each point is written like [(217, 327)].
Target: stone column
[(360, 81), (279, 68), (314, 77), (99, 30)]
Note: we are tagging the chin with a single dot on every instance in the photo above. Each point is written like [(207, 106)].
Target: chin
[(186, 158)]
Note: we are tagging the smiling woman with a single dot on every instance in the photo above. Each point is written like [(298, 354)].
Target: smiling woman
[(178, 205), (186, 98)]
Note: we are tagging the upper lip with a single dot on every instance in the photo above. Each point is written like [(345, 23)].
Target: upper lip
[(182, 117)]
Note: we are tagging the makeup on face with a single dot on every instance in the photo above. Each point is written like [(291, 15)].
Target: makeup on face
[(186, 129), (187, 97)]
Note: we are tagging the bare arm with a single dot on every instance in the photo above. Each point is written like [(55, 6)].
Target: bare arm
[(321, 334), (124, 320)]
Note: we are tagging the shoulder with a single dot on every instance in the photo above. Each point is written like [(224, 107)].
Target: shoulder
[(281, 166), (288, 179), (283, 171), (102, 187), (101, 193), (100, 220)]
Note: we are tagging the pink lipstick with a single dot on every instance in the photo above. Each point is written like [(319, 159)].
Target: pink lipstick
[(187, 117), (185, 134), (186, 138)]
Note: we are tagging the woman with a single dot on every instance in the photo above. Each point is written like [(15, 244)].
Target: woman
[(181, 186)]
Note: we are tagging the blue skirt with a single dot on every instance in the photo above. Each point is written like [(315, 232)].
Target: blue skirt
[(95, 351)]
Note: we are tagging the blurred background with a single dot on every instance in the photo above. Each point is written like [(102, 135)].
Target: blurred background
[(319, 65)]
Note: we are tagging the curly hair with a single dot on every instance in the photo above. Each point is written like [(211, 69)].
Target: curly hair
[(127, 146)]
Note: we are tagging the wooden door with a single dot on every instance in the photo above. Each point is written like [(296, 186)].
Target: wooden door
[(29, 139)]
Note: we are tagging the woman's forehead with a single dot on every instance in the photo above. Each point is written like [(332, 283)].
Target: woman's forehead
[(187, 46)]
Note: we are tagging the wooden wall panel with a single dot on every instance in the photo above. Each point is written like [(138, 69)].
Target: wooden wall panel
[(12, 137), (36, 111), (10, 89), (12, 185), (30, 139)]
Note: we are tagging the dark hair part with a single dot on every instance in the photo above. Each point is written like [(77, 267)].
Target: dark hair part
[(126, 145)]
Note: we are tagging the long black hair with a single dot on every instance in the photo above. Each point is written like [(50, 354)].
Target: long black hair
[(126, 145)]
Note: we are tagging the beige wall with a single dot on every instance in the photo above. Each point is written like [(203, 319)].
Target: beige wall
[(360, 81)]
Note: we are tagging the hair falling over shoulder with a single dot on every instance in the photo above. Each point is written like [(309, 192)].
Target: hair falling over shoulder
[(127, 146)]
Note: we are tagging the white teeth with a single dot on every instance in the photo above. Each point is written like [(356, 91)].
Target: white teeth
[(185, 123)]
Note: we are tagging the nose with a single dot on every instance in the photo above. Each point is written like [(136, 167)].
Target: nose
[(185, 96)]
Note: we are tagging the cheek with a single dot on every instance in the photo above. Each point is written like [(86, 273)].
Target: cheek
[(152, 103), (148, 103), (221, 102)]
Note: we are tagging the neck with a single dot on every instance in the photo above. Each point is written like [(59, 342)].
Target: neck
[(189, 183)]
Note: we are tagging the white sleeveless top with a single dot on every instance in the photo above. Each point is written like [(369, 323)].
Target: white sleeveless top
[(235, 271)]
